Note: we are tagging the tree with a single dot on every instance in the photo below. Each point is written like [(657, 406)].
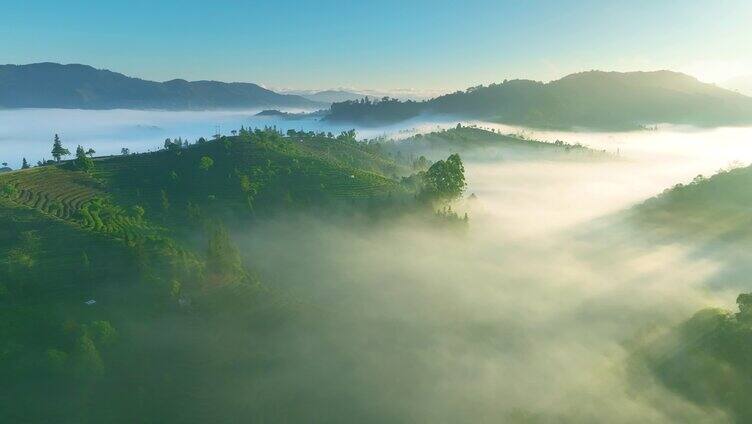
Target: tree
[(56, 360), (421, 164), (83, 162), (58, 151), (91, 152), (165, 202), (125, 151), (24, 164), (87, 363), (444, 180), (103, 333), (223, 262), (206, 163), (5, 164), (744, 301)]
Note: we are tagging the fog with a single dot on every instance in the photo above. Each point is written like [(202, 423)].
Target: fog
[(521, 318), (29, 132), (529, 316)]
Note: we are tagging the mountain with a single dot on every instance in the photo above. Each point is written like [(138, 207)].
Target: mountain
[(333, 96), (52, 85), (594, 99), (291, 115)]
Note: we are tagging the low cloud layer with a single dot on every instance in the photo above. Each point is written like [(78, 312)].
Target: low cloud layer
[(529, 316)]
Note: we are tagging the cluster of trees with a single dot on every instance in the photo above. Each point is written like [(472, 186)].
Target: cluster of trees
[(444, 181), (83, 158), (176, 144), (374, 112)]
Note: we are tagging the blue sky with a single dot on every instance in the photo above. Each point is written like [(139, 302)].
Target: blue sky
[(425, 45)]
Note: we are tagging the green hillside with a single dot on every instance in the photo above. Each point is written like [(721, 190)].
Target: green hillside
[(707, 209), (147, 238), (706, 359)]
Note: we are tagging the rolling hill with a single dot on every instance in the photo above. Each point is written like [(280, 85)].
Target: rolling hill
[(95, 266), (52, 85), (594, 99), (709, 210), (481, 144)]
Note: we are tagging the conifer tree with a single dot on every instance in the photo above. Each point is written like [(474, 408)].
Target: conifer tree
[(58, 150)]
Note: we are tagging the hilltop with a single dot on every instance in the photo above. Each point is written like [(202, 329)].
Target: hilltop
[(74, 86), (97, 264), (707, 209), (594, 99)]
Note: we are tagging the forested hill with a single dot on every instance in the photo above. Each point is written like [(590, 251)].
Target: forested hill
[(706, 359), (706, 209), (52, 85), (594, 99), (480, 144), (101, 257)]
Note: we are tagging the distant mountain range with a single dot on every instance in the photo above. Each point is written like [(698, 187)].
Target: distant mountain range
[(329, 96), (338, 95), (594, 99), (52, 85)]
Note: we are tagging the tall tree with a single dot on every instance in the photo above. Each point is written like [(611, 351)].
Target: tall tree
[(58, 150), (24, 164), (444, 180)]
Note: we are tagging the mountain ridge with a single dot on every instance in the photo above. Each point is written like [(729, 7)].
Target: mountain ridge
[(78, 86), (590, 99)]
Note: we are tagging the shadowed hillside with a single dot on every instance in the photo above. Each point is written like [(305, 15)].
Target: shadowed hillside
[(707, 358)]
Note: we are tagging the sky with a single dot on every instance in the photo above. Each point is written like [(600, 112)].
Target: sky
[(427, 46)]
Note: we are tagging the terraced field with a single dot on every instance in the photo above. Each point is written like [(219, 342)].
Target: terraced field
[(54, 258), (145, 196), (51, 190), (71, 196)]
